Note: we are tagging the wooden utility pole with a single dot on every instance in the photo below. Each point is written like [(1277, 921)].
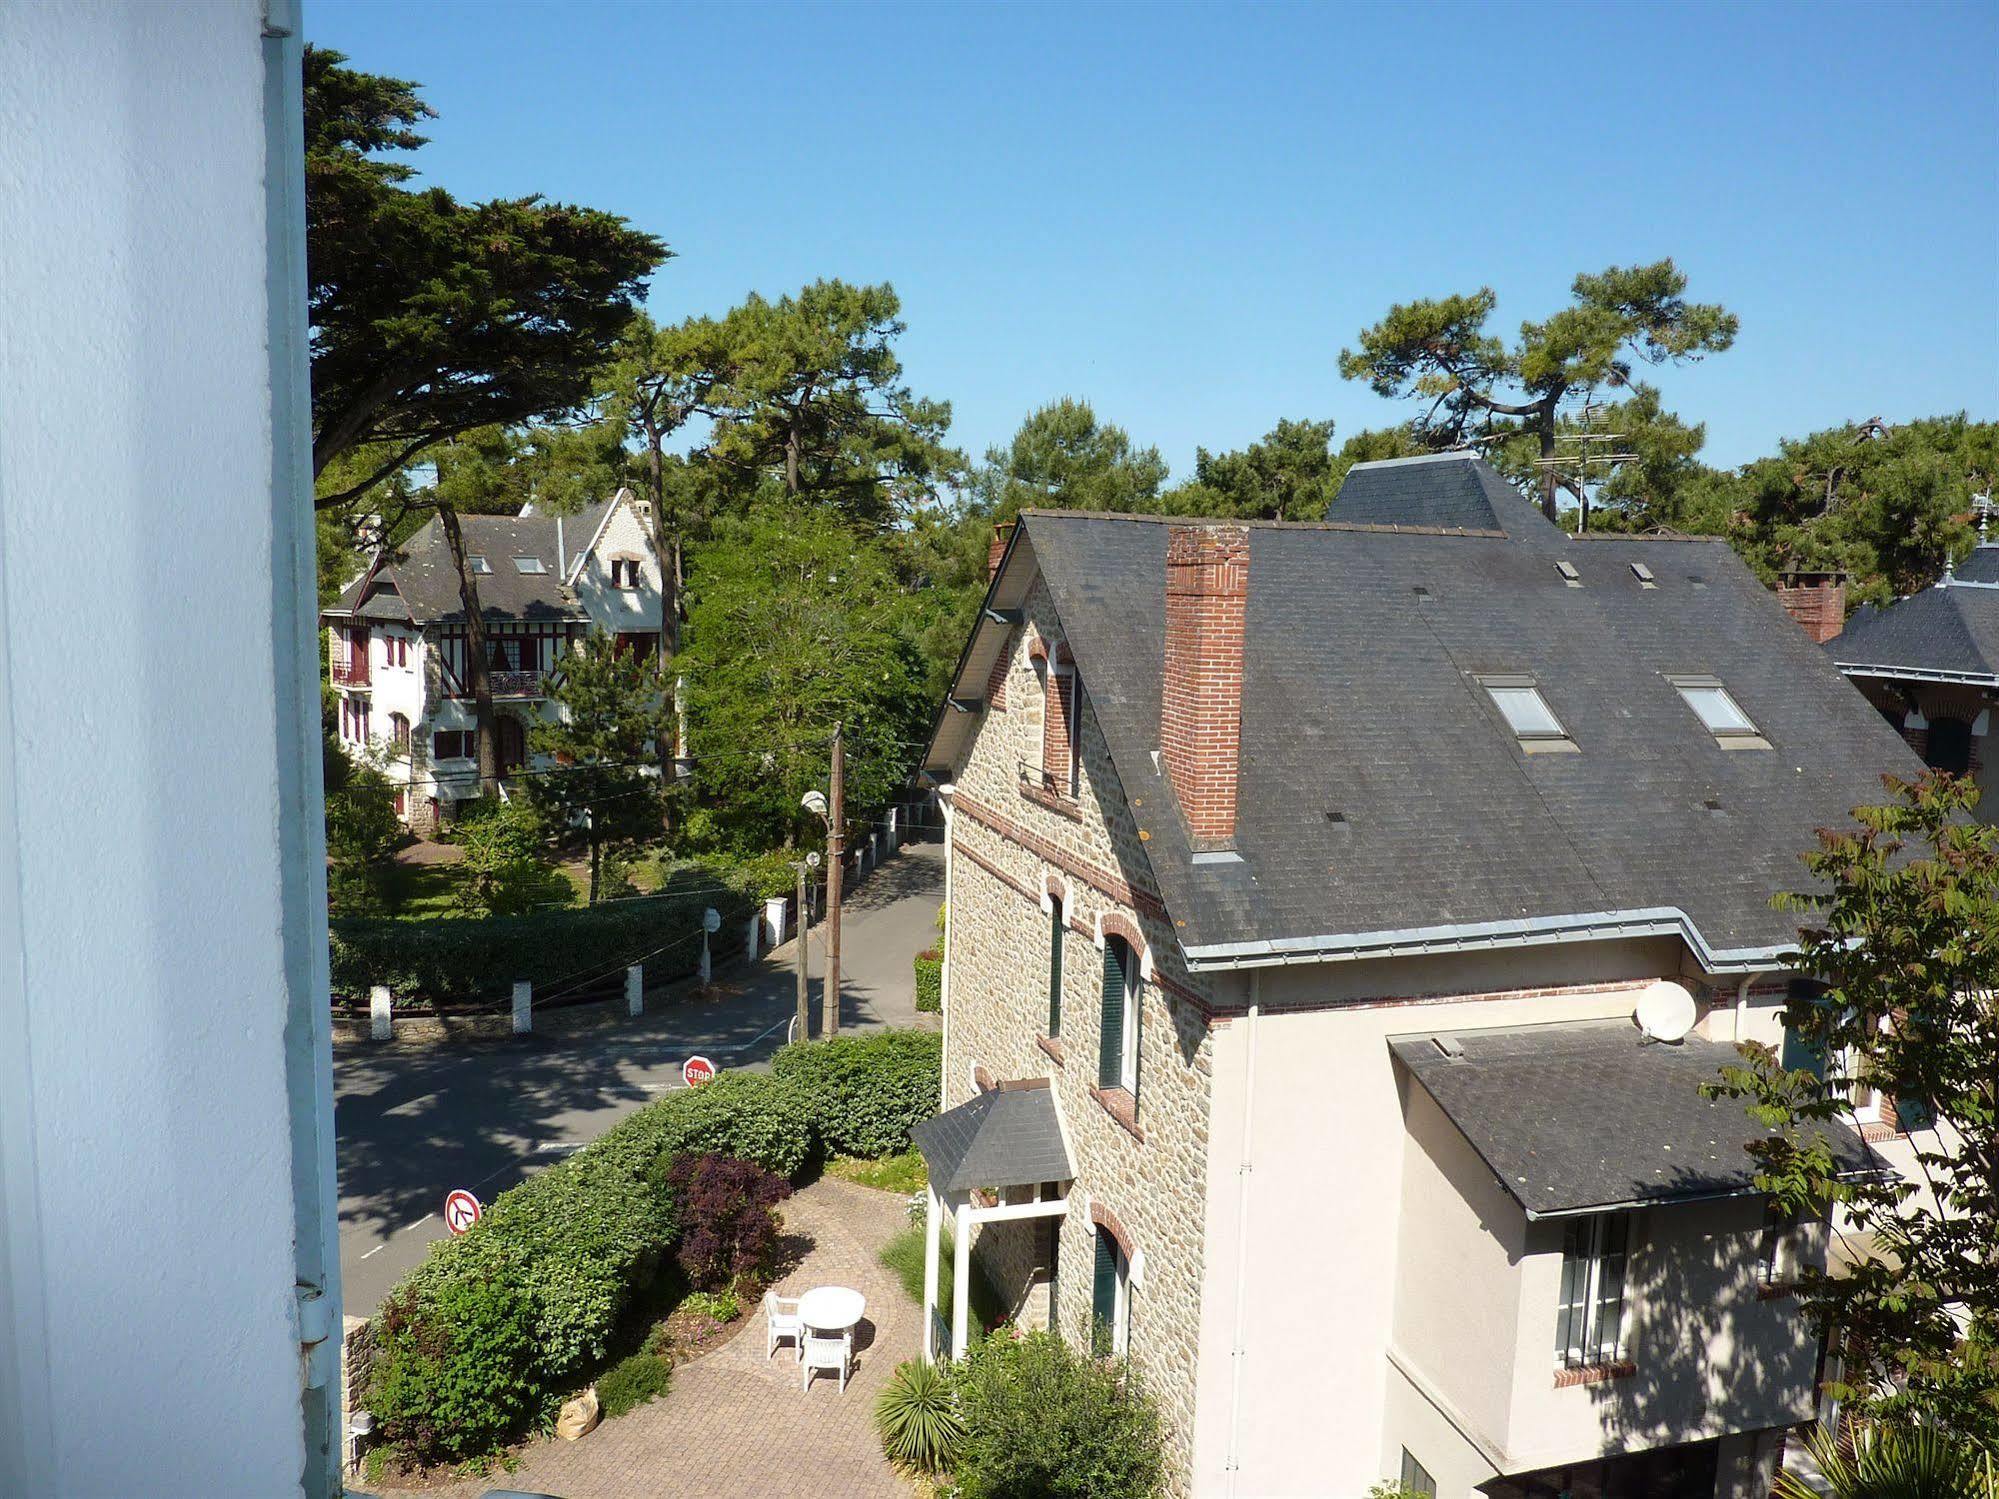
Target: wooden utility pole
[(836, 858), (804, 1000)]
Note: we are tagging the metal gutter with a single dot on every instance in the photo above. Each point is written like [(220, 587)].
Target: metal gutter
[(1920, 674), (1483, 936)]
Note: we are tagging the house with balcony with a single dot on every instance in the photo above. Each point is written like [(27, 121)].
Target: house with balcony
[(397, 638), (1308, 882)]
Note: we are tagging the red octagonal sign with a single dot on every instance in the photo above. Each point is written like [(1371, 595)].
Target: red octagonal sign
[(697, 1070)]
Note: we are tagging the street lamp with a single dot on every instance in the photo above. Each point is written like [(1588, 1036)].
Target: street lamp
[(832, 812), (802, 867)]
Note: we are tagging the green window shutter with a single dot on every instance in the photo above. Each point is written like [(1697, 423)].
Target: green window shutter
[(1799, 1053), (1055, 934), (1111, 1040), (1913, 1114), (1103, 1295)]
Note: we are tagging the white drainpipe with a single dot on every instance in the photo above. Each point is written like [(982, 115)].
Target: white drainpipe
[(561, 556), (1236, 1350), (1742, 997)]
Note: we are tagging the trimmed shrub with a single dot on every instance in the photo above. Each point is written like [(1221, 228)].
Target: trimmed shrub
[(456, 1375), (864, 1094), (729, 1225), (631, 1383), (930, 980), (749, 1115), (1042, 1419), (916, 1417)]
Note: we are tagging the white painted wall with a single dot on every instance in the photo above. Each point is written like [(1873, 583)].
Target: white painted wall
[(158, 869), (1325, 1202)]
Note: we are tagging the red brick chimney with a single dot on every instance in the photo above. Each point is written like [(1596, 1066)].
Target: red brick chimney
[(1002, 534), (1815, 600), (1200, 730)]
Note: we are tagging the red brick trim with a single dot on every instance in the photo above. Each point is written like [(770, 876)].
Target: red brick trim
[(1054, 1050), (1055, 887), (1777, 1291), (994, 870), (996, 678), (1054, 801), (1588, 1374), (1106, 1220), (1874, 1134), (1121, 1106), (1037, 648), (982, 1079), (1117, 924), (1097, 879)]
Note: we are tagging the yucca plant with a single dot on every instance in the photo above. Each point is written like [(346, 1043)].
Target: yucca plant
[(917, 1418), (1894, 1462)]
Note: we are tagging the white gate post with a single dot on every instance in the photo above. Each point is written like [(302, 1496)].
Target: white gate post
[(381, 1014), (775, 918), (751, 933), (891, 829), (635, 989), (523, 1007)]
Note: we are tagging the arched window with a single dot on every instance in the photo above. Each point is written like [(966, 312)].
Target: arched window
[(399, 731)]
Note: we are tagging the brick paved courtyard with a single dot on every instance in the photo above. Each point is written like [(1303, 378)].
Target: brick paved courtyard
[(736, 1424)]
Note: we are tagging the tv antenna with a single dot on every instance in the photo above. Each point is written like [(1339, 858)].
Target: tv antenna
[(1591, 455)]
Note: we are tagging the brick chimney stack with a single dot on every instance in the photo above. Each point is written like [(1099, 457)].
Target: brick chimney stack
[(1002, 534), (1200, 731), (1815, 600)]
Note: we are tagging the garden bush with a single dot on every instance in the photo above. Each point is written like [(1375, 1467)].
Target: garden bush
[(864, 1094), (630, 1383), (930, 980), (457, 1374), (916, 1416), (1042, 1419), (729, 1225)]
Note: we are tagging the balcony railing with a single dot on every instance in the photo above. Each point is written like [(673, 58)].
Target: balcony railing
[(351, 673), (509, 684)]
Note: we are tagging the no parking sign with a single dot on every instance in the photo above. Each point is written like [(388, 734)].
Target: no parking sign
[(461, 1210)]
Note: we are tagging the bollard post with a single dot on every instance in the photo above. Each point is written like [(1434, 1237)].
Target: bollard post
[(776, 919), (635, 989), (707, 968), (381, 1014), (523, 1007), (750, 936), (891, 829)]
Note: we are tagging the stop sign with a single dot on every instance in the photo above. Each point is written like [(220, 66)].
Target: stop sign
[(697, 1070)]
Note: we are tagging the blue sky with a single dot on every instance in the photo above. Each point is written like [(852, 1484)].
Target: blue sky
[(1182, 213)]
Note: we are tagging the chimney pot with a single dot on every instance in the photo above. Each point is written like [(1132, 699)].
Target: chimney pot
[(1002, 534), (1200, 733), (1816, 600)]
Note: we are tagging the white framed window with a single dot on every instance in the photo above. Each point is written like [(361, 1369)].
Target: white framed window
[(1416, 1478), (1117, 1057), (624, 572), (1110, 1297), (1719, 713), (1526, 712), (532, 566), (1589, 1321)]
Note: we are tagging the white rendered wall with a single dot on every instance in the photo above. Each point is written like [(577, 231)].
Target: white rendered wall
[(151, 890)]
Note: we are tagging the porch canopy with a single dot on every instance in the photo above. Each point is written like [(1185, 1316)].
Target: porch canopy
[(995, 1145), (1589, 1116)]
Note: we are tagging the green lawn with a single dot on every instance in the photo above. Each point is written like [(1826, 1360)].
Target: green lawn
[(904, 1255), (901, 1174)]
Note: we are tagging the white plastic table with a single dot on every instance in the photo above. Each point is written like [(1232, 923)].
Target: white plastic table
[(831, 1308)]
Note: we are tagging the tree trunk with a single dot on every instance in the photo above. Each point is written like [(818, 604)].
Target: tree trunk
[(1544, 423), (791, 457), (666, 544), (478, 666), (596, 862)]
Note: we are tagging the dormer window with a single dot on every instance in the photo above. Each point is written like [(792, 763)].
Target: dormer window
[(531, 566), (478, 564), (1527, 713), (1723, 716), (624, 572)]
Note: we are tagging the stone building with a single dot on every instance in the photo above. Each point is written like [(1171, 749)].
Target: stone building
[(1305, 880)]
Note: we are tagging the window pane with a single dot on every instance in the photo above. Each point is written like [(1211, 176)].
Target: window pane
[(1608, 1313), (1717, 710), (1524, 711), (1575, 1278)]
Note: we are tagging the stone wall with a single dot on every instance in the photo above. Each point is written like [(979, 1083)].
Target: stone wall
[(1018, 852)]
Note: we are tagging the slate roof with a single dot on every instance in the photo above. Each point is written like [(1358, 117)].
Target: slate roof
[(1360, 698), (1949, 630), (1003, 1137), (1445, 490), (1589, 1115), (420, 573)]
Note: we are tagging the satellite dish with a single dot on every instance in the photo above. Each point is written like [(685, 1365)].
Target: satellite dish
[(1666, 1012), (711, 920)]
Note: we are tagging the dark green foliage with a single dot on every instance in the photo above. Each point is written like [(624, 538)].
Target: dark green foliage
[(1877, 1461), (916, 1416), (1288, 475), (502, 873), (930, 980), (1064, 458), (455, 961), (1904, 928), (749, 1115), (457, 1374), (865, 1093), (631, 1382), (1043, 1421), (728, 1219), (362, 829)]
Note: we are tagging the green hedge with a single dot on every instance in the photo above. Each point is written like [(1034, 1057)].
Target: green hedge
[(930, 980), (864, 1094), (458, 960), (493, 1329)]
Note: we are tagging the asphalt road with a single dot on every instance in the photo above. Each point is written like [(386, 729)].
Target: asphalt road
[(413, 1124)]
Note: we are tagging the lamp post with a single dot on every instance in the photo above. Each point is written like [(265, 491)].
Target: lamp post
[(829, 813), (809, 862)]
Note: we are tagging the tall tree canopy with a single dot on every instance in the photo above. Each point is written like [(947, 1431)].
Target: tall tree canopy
[(1287, 475), (431, 317), (1906, 936), (1063, 457), (1439, 351)]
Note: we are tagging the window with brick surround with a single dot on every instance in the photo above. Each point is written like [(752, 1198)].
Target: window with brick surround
[(1063, 696), (1056, 931), (1117, 1059), (1589, 1321), (1110, 1298)]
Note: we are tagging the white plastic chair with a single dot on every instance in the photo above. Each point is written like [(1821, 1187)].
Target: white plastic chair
[(826, 1353), (781, 1322)]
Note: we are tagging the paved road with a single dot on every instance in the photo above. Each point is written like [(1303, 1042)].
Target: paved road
[(413, 1124)]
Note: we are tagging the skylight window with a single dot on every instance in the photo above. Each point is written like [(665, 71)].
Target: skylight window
[(478, 564), (1526, 712), (1569, 574), (529, 565), (1644, 575), (1720, 713)]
